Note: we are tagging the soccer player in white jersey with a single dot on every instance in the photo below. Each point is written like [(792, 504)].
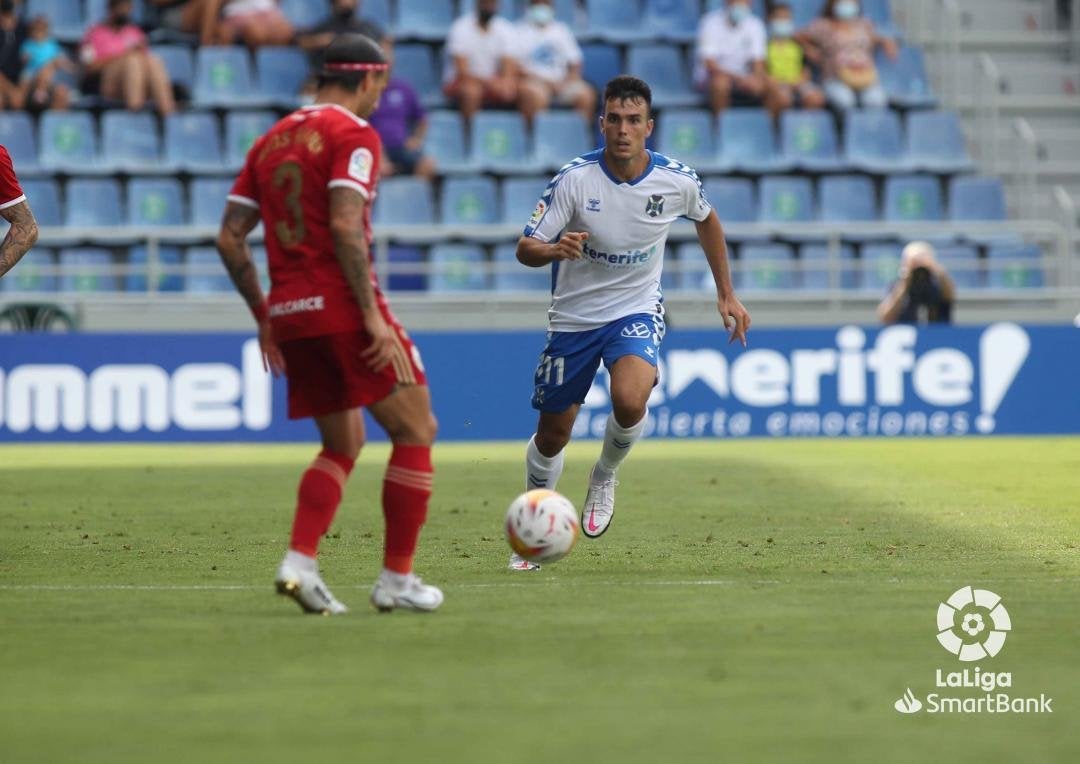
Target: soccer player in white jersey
[(602, 225)]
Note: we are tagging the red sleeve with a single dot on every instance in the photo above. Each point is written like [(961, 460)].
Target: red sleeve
[(11, 192), (355, 162), (245, 190)]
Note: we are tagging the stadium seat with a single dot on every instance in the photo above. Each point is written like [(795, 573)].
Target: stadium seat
[(242, 129), (499, 142), (469, 201), (17, 136), (129, 141), (377, 11), (962, 263), (734, 200), (304, 14), (180, 63), (848, 199), (689, 268), (457, 268), (223, 77), (204, 272), (765, 266), (193, 142), (424, 19), (281, 74), (68, 139), (874, 141), (786, 199), (87, 269), (814, 271), (519, 197), (808, 140), (803, 11), (674, 20), (65, 17), (415, 63), (409, 278), (29, 276), (445, 142), (512, 276), (139, 277), (1015, 267), (687, 135), (93, 202), (748, 142), (905, 79), (404, 201), (935, 142), (973, 198), (603, 62), (662, 66), (617, 21), (880, 13), (559, 136), (207, 199), (44, 197), (912, 198), (155, 202), (880, 264)]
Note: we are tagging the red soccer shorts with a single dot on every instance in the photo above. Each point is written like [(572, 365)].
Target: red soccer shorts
[(327, 373)]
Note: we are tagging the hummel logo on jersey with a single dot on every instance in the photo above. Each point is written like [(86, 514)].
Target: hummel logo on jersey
[(655, 205), (593, 205), (637, 330), (649, 352)]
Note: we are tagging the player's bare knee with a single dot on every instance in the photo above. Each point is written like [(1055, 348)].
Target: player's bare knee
[(627, 412)]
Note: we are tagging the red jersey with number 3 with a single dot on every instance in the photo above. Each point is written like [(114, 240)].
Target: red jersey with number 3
[(11, 192), (288, 177)]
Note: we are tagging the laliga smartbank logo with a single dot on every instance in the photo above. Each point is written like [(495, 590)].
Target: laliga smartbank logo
[(972, 624)]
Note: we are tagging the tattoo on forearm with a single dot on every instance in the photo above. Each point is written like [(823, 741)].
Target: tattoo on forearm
[(350, 246), (20, 238), (235, 254)]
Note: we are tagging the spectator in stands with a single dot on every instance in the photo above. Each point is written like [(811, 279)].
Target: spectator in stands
[(118, 64), (342, 19), (731, 57), (402, 124), (551, 63), (790, 80), (254, 23), (13, 33), (482, 70), (842, 44), (42, 59), (924, 292)]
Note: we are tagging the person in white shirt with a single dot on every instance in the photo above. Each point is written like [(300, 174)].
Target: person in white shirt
[(602, 226), (481, 69), (550, 61), (731, 57)]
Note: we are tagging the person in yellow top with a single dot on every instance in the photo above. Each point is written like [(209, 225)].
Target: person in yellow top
[(790, 83)]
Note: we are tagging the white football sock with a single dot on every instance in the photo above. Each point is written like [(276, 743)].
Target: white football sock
[(617, 443), (541, 471), (301, 561)]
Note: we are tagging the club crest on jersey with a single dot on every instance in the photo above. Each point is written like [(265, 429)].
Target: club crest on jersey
[(655, 205), (593, 205), (637, 330)]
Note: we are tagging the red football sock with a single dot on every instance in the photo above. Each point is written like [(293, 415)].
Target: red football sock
[(317, 501), (406, 491)]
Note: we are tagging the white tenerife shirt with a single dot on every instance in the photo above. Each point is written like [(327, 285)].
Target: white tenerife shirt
[(627, 223), (482, 48), (733, 48), (546, 52)]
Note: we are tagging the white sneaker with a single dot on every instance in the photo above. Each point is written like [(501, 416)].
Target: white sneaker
[(308, 589), (599, 506), (412, 594), (517, 562)]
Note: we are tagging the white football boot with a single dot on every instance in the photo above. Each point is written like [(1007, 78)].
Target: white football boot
[(517, 562), (407, 592), (308, 589), (599, 506)]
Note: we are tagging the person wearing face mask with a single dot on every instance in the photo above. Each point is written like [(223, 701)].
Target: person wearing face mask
[(551, 61), (790, 82), (842, 42), (342, 19), (481, 69), (13, 33), (118, 64), (730, 57)]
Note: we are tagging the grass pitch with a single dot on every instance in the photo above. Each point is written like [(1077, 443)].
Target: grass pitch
[(753, 601)]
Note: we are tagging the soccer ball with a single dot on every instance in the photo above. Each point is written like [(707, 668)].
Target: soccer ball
[(542, 525)]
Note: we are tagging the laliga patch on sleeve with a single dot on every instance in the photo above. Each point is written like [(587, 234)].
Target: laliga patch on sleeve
[(360, 164), (538, 213)]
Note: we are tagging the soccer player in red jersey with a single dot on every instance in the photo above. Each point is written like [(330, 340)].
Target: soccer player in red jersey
[(327, 326), (15, 210)]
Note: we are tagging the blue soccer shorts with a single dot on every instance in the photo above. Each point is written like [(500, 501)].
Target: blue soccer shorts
[(570, 360)]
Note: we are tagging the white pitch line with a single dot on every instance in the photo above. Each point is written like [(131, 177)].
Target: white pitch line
[(253, 587)]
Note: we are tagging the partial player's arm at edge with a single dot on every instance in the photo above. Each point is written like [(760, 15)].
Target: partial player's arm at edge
[(22, 235), (711, 236), (236, 224)]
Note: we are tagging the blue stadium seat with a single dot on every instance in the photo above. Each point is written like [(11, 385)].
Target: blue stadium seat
[(962, 263), (603, 62), (93, 202), (68, 139), (880, 263), (44, 197), (179, 62), (415, 63), (786, 199), (138, 279), (377, 11), (97, 10), (242, 129), (565, 10), (808, 140), (734, 200), (663, 67), (689, 269), (424, 19), (558, 136), (765, 266), (262, 266), (499, 142), (849, 199), (129, 141), (814, 271), (519, 197), (404, 201), (87, 269), (674, 20), (880, 13), (29, 276), (912, 198), (457, 268), (155, 201), (193, 142), (935, 142), (905, 79), (17, 136), (512, 276), (1015, 267), (65, 17), (469, 201), (446, 143), (874, 140), (207, 199), (204, 272), (281, 74), (405, 274), (977, 198), (687, 135), (748, 141), (223, 77), (616, 21), (304, 14)]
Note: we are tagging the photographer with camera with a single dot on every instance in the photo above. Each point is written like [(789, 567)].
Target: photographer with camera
[(924, 293)]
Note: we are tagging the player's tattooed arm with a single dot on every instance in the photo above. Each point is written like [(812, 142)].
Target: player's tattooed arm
[(711, 236), (238, 222), (20, 237)]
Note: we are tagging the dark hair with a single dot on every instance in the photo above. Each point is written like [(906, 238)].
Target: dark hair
[(627, 88), (349, 49)]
